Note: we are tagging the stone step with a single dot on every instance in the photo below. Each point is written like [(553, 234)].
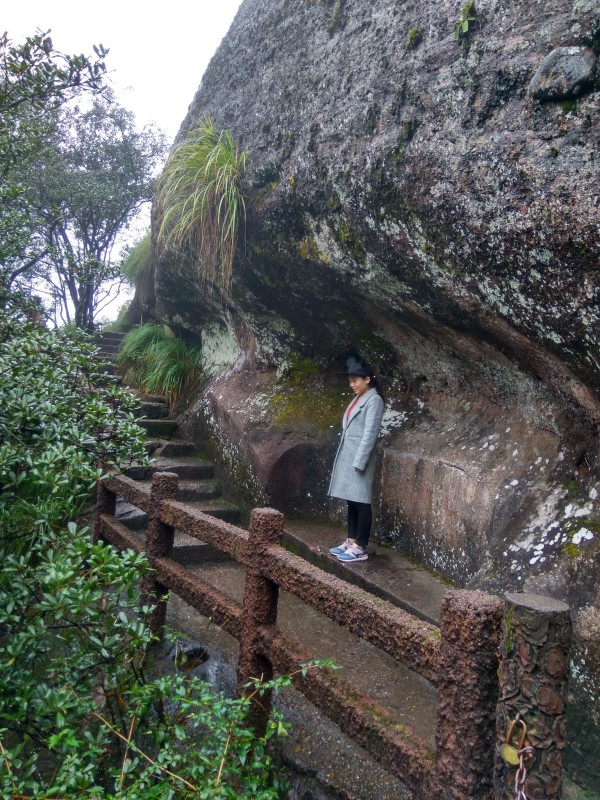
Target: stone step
[(198, 490), (158, 428), (109, 347), (218, 508), (175, 448), (111, 336), (107, 369), (131, 516), (148, 398), (193, 490), (137, 520), (108, 379), (152, 410), (186, 467)]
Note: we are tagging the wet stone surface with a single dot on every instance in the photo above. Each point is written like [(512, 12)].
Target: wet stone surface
[(324, 762)]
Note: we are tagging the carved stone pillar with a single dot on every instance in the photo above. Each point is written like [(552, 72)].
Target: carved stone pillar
[(536, 638), (159, 543)]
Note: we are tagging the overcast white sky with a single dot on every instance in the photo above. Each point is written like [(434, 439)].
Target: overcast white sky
[(158, 52)]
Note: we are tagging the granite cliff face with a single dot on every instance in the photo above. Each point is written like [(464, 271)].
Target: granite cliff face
[(433, 205)]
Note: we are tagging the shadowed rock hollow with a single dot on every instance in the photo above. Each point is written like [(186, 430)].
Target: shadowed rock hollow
[(433, 205)]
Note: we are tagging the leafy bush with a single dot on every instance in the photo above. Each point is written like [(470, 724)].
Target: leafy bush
[(159, 362), (79, 716), (199, 200), (58, 419)]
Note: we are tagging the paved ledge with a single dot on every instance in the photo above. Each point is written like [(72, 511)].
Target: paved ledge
[(386, 574)]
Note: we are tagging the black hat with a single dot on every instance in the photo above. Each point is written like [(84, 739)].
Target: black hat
[(357, 367)]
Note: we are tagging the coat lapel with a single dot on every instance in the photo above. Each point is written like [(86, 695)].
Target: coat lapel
[(355, 411)]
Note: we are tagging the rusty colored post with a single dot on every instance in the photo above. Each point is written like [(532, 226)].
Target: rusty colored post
[(106, 503), (260, 608), (159, 544), (536, 638), (468, 693)]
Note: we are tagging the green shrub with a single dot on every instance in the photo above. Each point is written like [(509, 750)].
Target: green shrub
[(58, 419), (81, 713), (80, 716), (159, 362), (199, 201), (468, 15), (413, 38)]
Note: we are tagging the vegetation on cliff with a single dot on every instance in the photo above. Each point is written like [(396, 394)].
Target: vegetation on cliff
[(159, 362), (199, 200)]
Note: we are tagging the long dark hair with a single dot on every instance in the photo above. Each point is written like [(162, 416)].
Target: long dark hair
[(375, 385)]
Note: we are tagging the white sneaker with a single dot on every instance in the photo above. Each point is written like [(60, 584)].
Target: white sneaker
[(336, 551)]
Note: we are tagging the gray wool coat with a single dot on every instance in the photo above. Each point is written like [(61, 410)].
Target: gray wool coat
[(354, 466)]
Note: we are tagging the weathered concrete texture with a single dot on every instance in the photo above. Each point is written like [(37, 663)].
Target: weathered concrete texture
[(159, 544), (535, 647), (468, 692)]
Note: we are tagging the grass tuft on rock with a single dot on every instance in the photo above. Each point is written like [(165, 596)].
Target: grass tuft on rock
[(159, 362), (199, 201)]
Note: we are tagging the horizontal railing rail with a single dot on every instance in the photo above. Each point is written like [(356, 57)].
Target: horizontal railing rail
[(460, 658)]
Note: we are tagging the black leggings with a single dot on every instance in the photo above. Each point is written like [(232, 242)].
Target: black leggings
[(360, 519)]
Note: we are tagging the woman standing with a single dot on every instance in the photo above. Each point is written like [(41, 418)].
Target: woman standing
[(354, 465)]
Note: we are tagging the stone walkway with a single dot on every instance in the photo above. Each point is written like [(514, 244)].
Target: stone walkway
[(326, 764)]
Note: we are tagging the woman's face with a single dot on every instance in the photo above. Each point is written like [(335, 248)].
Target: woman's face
[(359, 385)]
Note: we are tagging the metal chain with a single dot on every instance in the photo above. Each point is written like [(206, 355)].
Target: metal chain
[(525, 754)]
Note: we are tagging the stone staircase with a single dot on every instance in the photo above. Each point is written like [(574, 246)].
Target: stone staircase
[(198, 486)]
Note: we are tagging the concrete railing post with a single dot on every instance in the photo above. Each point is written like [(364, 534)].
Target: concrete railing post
[(106, 503), (260, 608), (536, 638), (159, 544), (468, 693)]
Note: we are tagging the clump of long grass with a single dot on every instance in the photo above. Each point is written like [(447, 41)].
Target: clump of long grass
[(158, 362), (137, 264), (199, 202)]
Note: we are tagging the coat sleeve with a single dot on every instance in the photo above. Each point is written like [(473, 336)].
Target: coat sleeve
[(373, 414)]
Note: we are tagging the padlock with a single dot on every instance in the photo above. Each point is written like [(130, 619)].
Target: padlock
[(508, 751)]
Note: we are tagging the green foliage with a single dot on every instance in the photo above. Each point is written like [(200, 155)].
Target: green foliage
[(35, 79), (92, 178), (413, 38), (199, 200), (336, 17), (70, 178), (82, 717), (79, 714), (137, 265), (120, 324), (38, 75), (159, 362), (58, 419), (468, 15)]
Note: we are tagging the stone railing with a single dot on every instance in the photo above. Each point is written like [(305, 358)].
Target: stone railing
[(530, 635)]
